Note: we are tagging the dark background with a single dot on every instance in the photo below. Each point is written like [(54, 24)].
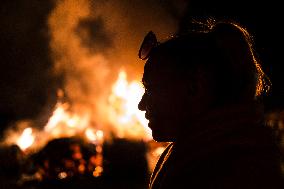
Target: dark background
[(25, 82)]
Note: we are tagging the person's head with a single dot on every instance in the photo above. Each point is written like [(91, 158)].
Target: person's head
[(191, 74)]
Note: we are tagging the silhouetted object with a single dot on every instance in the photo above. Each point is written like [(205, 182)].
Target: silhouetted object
[(203, 93)]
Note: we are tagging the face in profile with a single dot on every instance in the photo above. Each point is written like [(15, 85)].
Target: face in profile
[(164, 100)]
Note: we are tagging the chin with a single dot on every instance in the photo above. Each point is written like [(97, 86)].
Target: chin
[(159, 137), (162, 132)]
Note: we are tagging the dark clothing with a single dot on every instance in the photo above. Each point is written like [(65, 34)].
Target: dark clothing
[(228, 149)]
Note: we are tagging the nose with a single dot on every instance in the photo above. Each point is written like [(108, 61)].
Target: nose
[(142, 103)]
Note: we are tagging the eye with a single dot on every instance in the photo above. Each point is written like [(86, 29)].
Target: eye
[(146, 88), (147, 91)]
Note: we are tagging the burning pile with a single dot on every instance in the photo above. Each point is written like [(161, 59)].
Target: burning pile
[(65, 158), (70, 146), (125, 119)]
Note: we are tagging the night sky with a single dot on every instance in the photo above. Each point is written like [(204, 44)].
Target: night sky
[(28, 86), (25, 83)]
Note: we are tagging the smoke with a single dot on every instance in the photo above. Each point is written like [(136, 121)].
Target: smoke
[(92, 40), (88, 43), (94, 35)]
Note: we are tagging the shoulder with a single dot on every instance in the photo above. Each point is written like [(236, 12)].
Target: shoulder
[(245, 158)]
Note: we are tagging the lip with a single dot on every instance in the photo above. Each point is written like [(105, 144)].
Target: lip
[(149, 116), (150, 125)]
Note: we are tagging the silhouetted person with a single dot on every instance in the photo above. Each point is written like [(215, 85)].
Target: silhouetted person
[(202, 94)]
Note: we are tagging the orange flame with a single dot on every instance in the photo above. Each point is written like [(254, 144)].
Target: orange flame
[(129, 122), (65, 124), (26, 139), (122, 113), (96, 136)]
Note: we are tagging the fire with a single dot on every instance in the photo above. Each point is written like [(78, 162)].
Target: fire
[(123, 115), (66, 124), (66, 121), (26, 139), (129, 122), (90, 134), (95, 136)]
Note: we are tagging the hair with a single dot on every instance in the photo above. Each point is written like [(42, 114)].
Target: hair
[(224, 50)]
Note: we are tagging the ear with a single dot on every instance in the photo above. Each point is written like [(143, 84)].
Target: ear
[(200, 95), (199, 84)]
